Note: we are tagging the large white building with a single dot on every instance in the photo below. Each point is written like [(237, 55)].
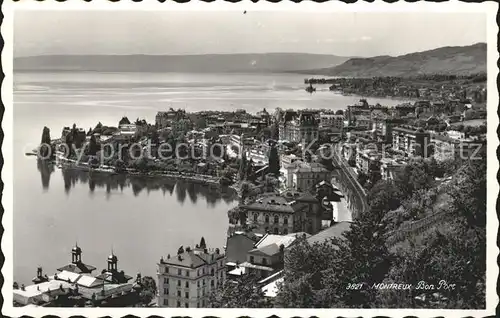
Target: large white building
[(188, 278)]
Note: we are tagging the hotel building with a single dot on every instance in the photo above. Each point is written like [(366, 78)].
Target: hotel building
[(188, 278)]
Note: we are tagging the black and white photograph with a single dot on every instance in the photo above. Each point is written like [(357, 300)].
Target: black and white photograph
[(249, 158)]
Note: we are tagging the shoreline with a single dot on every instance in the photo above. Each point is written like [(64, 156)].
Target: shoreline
[(191, 177)]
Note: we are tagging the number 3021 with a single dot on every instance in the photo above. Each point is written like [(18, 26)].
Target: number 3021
[(354, 286)]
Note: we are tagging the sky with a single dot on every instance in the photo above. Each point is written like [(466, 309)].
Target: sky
[(172, 33)]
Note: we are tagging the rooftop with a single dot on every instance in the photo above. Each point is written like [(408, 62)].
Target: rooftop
[(78, 268), (193, 258), (335, 231)]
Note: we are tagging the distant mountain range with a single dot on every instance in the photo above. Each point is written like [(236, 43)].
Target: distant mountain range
[(208, 63), (446, 60)]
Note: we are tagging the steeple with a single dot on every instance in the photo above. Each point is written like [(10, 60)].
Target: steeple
[(112, 262), (76, 254)]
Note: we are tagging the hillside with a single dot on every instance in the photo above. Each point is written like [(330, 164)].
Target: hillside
[(446, 60), (253, 63)]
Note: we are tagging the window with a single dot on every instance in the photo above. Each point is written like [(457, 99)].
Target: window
[(264, 261), (186, 305), (285, 231), (165, 291), (187, 284), (285, 220), (165, 302), (204, 282), (212, 272), (166, 270), (187, 294), (187, 273), (179, 283), (198, 283), (178, 303), (178, 293), (266, 219), (255, 217), (276, 230), (179, 272), (251, 259), (276, 219), (198, 305), (165, 280), (212, 283)]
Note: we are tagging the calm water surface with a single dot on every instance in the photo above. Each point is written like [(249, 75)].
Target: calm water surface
[(140, 219)]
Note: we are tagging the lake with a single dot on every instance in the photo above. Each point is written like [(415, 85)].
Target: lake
[(139, 219)]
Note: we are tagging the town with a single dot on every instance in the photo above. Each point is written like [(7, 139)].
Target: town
[(304, 178)]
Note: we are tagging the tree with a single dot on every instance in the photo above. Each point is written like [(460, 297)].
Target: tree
[(243, 292), (148, 291), (249, 174), (201, 123), (468, 193), (384, 196), (317, 275), (119, 166), (416, 175), (202, 243), (306, 267), (93, 148), (45, 144), (243, 166), (274, 162), (362, 178)]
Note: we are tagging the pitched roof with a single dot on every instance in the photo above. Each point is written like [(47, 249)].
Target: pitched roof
[(268, 250), (337, 230), (272, 203), (79, 268), (270, 239), (192, 259), (237, 247)]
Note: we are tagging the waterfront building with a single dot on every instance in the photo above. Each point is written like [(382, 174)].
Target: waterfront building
[(110, 288), (129, 128), (411, 142), (188, 278), (286, 213), (163, 119), (299, 127)]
